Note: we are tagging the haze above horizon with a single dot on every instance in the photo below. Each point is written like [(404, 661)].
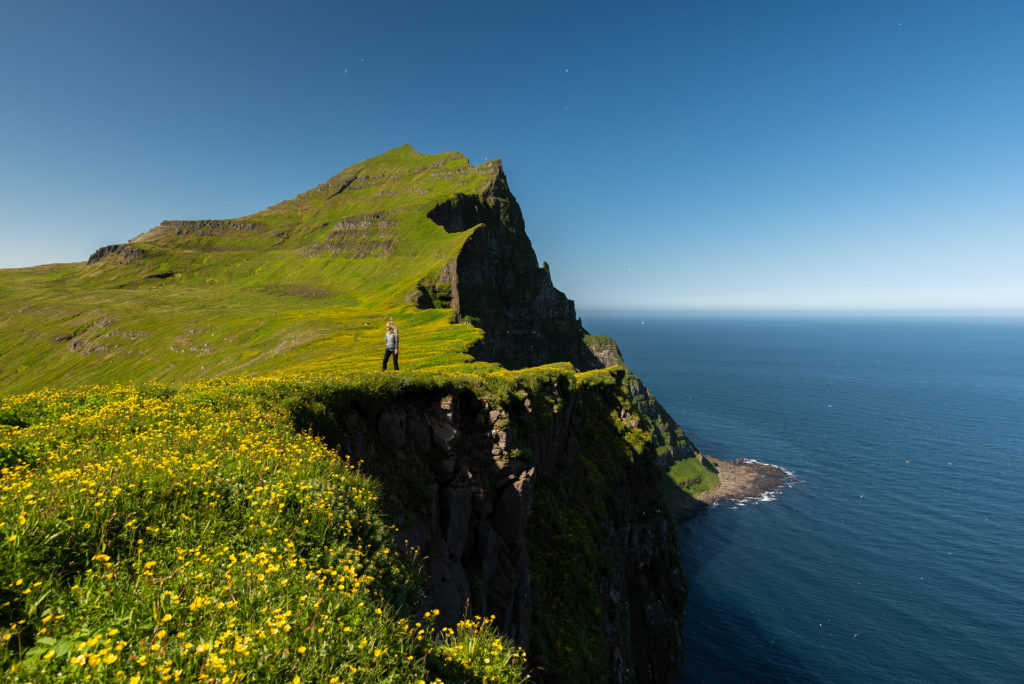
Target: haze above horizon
[(667, 156)]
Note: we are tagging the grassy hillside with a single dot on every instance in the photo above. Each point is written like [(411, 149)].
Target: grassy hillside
[(305, 284)]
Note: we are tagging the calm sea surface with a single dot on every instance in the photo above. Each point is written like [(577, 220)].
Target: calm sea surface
[(899, 556)]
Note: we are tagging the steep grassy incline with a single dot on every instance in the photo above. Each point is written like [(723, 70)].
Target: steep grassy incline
[(307, 283)]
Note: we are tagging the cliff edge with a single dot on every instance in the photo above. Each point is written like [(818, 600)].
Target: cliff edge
[(535, 500)]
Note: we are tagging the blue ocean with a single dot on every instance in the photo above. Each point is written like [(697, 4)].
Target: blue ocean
[(898, 556)]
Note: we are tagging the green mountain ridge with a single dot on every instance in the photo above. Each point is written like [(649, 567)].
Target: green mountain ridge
[(296, 284), (304, 284)]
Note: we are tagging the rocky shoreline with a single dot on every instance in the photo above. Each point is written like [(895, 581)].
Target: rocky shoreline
[(738, 480)]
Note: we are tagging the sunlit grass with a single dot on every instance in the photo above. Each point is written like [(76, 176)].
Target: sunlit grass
[(300, 291), (157, 534), (693, 476)]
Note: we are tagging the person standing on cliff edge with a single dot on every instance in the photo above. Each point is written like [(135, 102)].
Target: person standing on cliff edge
[(390, 345)]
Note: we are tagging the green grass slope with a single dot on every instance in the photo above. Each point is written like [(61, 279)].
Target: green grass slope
[(305, 284), (152, 533)]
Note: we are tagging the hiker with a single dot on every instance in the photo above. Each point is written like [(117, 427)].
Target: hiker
[(390, 345)]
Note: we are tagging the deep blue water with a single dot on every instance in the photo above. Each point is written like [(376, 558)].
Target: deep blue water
[(899, 555)]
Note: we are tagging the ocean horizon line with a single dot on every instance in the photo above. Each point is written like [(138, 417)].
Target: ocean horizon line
[(974, 314)]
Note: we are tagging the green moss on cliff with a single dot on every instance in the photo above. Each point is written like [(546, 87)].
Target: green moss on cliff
[(585, 615)]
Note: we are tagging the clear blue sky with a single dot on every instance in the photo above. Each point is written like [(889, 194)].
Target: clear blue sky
[(708, 154)]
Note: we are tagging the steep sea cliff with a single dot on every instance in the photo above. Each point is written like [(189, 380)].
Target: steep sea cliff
[(541, 508)]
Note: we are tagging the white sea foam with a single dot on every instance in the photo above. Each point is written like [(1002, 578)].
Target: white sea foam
[(789, 480)]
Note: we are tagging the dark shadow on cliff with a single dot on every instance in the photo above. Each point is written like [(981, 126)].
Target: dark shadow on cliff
[(681, 505), (533, 503)]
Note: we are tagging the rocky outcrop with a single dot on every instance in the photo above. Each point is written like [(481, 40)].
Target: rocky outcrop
[(122, 254), (496, 284), (358, 237), (540, 508), (604, 352), (208, 227)]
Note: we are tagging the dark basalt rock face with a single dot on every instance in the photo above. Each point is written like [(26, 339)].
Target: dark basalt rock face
[(496, 284), (538, 512), (123, 254)]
